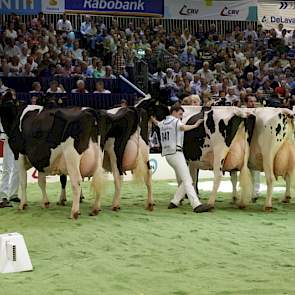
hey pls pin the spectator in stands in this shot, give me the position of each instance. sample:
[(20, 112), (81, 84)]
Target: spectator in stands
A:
[(188, 59), (55, 88), (10, 32), (11, 50), (196, 84), (119, 62), (80, 87), (38, 22), (64, 25), (15, 67), (36, 88), (231, 98), (26, 71), (77, 51), (109, 73), (99, 71), (205, 72), (99, 88)]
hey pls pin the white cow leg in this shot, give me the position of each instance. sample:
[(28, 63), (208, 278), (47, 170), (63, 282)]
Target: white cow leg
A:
[(217, 179), (148, 183), (42, 184), (73, 166), (23, 182), (287, 196), (268, 201), (234, 181), (118, 185)]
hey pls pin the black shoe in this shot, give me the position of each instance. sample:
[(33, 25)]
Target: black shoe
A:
[(15, 200), (202, 208), (172, 206), (5, 203)]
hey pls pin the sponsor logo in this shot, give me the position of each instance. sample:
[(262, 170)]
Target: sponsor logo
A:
[(264, 19), (283, 20), (285, 5), (229, 12), (53, 2), (154, 165), (137, 5), (188, 11)]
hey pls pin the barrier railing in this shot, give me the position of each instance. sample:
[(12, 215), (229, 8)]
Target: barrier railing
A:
[(97, 101), (169, 25)]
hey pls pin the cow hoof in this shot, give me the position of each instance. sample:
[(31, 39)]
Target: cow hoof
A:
[(212, 204), (286, 200), (23, 206), (116, 208), (61, 203), (94, 212), (268, 209), (242, 206), (75, 215), (150, 207), (46, 205), (81, 199)]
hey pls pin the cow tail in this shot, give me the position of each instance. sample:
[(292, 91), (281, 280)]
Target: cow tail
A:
[(246, 185), (141, 168), (98, 178)]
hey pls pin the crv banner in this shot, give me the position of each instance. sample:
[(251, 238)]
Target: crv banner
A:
[(241, 10)]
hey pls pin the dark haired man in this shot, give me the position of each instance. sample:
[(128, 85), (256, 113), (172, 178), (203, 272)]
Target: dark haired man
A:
[(172, 131)]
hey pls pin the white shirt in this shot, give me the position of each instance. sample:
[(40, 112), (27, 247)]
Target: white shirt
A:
[(85, 28), (58, 90), (104, 91), (171, 135), (64, 26)]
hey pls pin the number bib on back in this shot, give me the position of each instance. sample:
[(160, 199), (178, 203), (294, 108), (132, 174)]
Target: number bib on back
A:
[(168, 131)]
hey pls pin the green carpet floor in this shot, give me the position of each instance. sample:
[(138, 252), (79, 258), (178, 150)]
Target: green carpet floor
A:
[(136, 252)]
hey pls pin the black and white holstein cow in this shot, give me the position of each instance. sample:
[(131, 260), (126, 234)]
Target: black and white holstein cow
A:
[(272, 149), (126, 147), (220, 144), (56, 141)]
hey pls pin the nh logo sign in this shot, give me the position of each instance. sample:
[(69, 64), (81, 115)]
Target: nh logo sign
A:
[(17, 4)]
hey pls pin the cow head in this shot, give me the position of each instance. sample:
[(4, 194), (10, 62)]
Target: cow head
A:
[(153, 107)]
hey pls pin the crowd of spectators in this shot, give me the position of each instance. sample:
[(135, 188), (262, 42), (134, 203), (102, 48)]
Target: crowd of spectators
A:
[(226, 70), (216, 69)]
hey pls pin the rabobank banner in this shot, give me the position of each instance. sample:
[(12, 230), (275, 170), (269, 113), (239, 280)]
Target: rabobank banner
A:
[(20, 6), (272, 13), (120, 7), (238, 10)]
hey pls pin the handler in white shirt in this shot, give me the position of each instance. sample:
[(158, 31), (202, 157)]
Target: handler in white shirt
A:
[(172, 133)]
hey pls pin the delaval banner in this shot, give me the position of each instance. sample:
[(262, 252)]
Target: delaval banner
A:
[(272, 13), (119, 7), (53, 6), (20, 6), (240, 10)]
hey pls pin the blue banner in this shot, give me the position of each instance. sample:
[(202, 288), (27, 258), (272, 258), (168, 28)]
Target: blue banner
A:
[(129, 7), (20, 6)]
